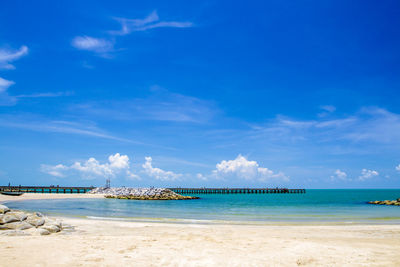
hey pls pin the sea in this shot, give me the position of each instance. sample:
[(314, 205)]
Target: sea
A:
[(316, 206)]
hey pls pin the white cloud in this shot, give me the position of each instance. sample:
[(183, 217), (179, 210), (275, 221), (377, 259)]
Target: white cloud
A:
[(117, 165), (4, 84), (152, 21), (98, 45), (244, 169), (339, 175), (398, 167), (7, 56), (158, 173), (367, 174), (57, 170), (201, 177)]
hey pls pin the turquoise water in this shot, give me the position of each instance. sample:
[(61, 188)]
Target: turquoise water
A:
[(316, 206)]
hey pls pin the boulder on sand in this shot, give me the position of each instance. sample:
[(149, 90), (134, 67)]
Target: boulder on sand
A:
[(14, 222), (16, 226), (35, 220), (51, 228), (8, 218), (42, 231), (21, 216), (13, 233), (3, 209)]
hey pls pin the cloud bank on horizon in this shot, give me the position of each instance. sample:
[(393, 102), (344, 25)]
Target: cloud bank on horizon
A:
[(119, 166), (240, 168)]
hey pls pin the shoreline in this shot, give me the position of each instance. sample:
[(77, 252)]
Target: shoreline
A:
[(4, 199)]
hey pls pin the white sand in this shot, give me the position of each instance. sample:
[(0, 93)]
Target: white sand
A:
[(115, 243), (29, 196)]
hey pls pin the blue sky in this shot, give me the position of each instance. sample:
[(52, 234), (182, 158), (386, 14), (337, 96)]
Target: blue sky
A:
[(200, 93)]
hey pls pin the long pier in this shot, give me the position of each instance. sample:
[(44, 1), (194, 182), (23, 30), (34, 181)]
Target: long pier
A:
[(47, 189), (237, 191), (179, 190)]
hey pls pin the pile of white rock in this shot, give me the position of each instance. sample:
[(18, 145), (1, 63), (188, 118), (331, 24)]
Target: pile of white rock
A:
[(139, 193), (15, 223)]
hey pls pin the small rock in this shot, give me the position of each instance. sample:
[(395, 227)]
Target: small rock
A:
[(10, 226), (51, 228), (24, 226), (35, 221), (8, 219), (3, 209), (42, 231), (13, 233), (57, 223), (21, 216)]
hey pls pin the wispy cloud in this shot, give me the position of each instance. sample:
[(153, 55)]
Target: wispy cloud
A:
[(104, 47), (326, 110), (11, 100), (152, 21), (368, 124), (6, 57), (48, 94), (98, 45), (9, 55), (5, 84), (161, 105), (64, 127)]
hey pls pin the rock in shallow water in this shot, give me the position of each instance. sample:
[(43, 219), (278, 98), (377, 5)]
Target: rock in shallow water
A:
[(386, 202)]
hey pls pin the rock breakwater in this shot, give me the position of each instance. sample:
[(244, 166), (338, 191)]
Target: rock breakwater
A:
[(140, 193), (386, 202), (17, 223)]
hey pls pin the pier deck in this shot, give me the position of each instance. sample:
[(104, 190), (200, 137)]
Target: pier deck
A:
[(238, 191), (179, 190)]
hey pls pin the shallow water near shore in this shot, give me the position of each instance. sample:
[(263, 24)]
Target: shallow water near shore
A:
[(316, 206)]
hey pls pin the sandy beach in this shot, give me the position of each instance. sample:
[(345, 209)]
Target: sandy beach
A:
[(32, 196), (116, 243)]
